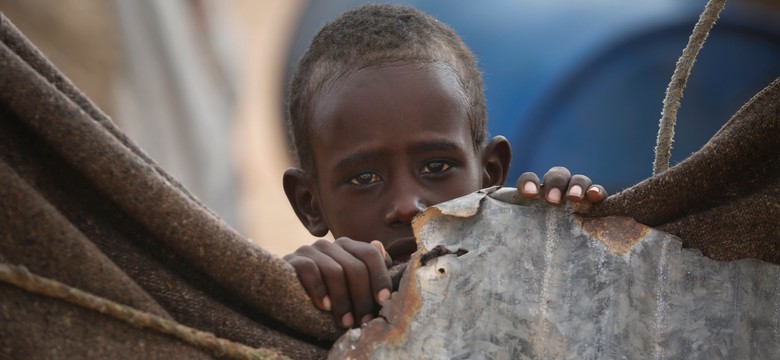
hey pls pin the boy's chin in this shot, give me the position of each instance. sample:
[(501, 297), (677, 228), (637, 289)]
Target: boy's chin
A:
[(401, 250), (401, 259)]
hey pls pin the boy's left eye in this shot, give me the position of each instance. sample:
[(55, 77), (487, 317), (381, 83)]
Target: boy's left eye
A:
[(435, 167)]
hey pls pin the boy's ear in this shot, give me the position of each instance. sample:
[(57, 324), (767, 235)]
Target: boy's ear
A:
[(496, 156), (304, 201)]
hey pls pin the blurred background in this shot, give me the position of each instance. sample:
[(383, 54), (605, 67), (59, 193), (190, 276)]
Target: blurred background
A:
[(200, 84)]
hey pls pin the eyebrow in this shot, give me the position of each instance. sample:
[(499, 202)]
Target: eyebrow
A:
[(367, 156), (359, 158), (435, 146)]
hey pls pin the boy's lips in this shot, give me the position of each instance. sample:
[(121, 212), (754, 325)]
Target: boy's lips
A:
[(401, 249)]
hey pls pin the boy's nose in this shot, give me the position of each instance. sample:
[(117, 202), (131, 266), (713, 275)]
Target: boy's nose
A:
[(403, 209)]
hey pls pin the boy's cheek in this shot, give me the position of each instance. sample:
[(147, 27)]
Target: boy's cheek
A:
[(354, 224), (459, 185)]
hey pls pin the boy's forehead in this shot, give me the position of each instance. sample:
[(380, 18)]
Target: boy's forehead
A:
[(374, 88), (409, 109)]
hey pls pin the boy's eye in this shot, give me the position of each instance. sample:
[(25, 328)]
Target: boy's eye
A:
[(365, 178), (435, 167)]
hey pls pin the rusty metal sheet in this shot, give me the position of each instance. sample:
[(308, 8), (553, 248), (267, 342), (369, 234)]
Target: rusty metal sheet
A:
[(505, 278)]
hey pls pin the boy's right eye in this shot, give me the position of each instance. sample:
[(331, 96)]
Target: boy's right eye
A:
[(365, 178)]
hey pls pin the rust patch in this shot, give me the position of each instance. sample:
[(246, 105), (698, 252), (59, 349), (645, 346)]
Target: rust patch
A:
[(393, 326), (618, 234)]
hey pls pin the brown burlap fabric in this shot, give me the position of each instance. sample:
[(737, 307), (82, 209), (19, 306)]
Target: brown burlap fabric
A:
[(81, 204), (725, 198)]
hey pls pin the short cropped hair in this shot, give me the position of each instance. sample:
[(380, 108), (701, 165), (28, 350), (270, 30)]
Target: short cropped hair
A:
[(373, 35)]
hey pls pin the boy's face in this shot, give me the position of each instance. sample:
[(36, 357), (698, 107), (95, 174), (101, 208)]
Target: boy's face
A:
[(387, 142)]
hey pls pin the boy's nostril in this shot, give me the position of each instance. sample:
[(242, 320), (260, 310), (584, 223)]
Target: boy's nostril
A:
[(399, 223)]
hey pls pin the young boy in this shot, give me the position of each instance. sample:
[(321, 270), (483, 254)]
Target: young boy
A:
[(387, 117)]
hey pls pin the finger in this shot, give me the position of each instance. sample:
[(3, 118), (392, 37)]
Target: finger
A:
[(379, 246), (335, 279), (357, 278), (381, 283), (309, 275), (596, 194), (577, 187), (555, 184), (379, 279), (528, 185)]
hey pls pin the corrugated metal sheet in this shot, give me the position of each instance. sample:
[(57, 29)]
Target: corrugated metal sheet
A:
[(538, 282)]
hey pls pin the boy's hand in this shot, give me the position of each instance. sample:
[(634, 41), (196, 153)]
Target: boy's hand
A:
[(346, 277), (558, 182)]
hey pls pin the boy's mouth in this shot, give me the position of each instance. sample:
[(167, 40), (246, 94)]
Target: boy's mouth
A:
[(402, 249)]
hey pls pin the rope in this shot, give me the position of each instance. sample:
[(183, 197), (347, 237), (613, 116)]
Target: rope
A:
[(20, 277), (674, 92)]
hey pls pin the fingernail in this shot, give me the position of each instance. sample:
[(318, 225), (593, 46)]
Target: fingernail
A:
[(594, 190), (326, 303), (347, 320), (554, 196), (575, 191), (530, 188), (383, 296), (378, 245), (366, 318)]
